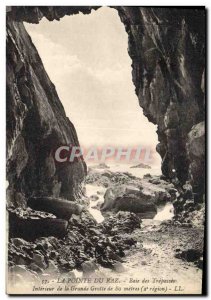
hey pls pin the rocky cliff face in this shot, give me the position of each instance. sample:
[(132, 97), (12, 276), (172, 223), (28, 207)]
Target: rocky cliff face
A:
[(36, 124), (167, 48)]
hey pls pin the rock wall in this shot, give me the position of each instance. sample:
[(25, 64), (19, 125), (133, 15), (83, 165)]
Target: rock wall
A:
[(36, 125), (167, 48)]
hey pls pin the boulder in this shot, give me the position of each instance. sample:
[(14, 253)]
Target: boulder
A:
[(59, 207), (30, 229), (113, 193), (131, 199), (139, 196), (190, 255), (136, 205), (122, 222), (17, 242), (148, 175)]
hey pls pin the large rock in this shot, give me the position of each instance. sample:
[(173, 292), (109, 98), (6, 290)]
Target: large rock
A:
[(121, 223), (112, 193), (136, 205), (126, 198), (61, 208), (191, 255), (30, 228), (142, 199)]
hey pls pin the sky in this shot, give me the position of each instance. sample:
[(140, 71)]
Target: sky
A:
[(86, 58)]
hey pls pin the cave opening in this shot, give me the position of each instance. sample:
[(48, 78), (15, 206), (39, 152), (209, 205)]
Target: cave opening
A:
[(55, 205), (86, 58)]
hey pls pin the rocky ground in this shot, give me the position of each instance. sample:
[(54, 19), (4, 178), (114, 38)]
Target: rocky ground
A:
[(165, 252), (124, 242)]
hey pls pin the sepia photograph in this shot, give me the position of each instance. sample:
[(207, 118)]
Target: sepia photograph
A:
[(106, 150)]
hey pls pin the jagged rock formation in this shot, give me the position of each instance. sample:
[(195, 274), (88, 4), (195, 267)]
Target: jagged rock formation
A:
[(84, 242), (167, 48), (36, 126)]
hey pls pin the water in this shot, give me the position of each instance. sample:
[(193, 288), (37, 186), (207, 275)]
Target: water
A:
[(165, 212), (99, 191), (138, 172)]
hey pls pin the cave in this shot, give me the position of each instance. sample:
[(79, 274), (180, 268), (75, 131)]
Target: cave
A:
[(166, 47), (169, 88)]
